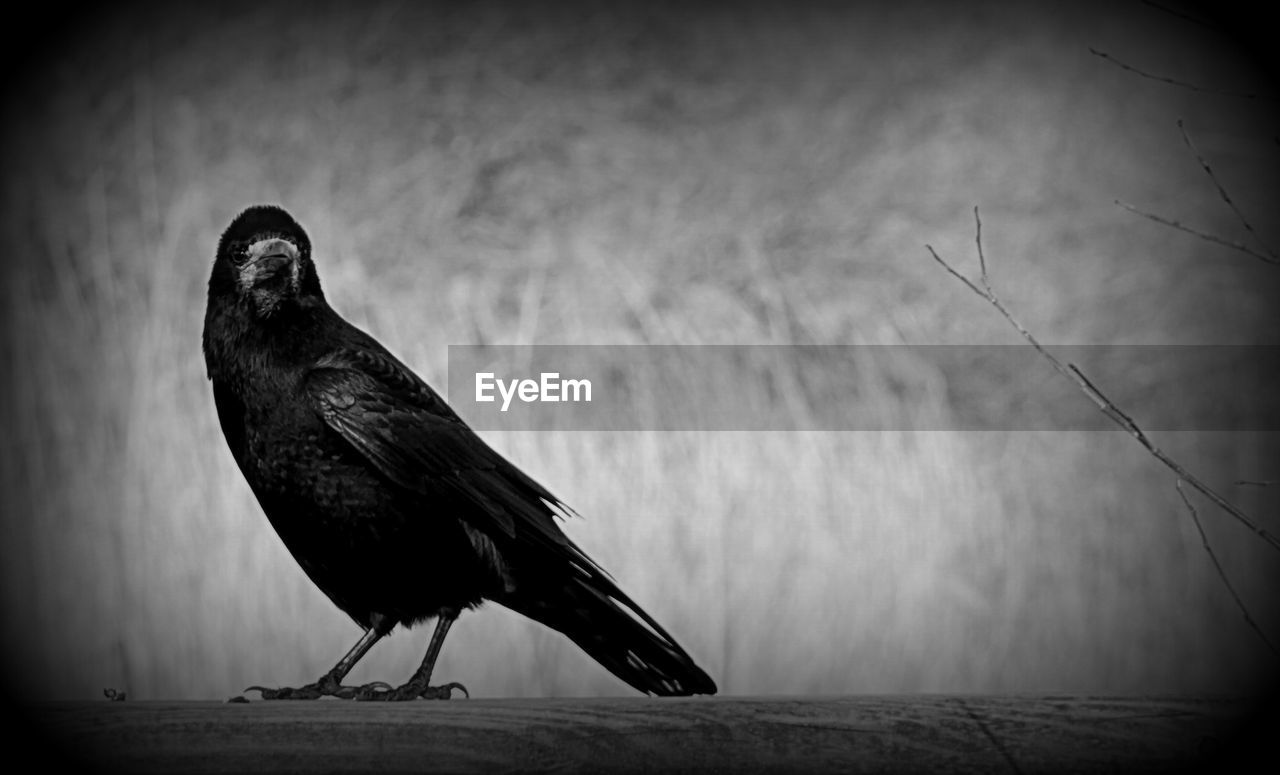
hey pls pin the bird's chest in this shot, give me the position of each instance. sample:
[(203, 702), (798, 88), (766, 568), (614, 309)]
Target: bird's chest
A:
[(304, 474)]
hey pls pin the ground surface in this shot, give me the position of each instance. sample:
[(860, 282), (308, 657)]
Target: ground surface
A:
[(865, 734)]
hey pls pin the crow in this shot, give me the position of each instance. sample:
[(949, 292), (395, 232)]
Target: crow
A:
[(391, 504)]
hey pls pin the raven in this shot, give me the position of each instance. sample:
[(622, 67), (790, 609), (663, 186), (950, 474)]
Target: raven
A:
[(393, 507)]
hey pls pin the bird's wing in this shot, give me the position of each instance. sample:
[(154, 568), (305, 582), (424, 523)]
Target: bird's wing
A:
[(412, 437)]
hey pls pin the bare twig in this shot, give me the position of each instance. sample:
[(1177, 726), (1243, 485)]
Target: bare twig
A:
[(1222, 191), (1174, 82), (1182, 15), (1202, 235), (1222, 574), (1257, 483), (1104, 404), (982, 259)]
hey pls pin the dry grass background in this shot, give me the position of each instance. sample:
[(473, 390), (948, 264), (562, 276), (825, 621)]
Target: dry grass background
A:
[(570, 174)]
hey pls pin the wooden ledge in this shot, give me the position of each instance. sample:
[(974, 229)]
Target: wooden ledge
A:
[(927, 733)]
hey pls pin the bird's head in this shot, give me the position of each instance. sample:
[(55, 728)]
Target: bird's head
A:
[(264, 263)]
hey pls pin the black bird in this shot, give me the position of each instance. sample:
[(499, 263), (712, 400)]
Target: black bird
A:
[(389, 502)]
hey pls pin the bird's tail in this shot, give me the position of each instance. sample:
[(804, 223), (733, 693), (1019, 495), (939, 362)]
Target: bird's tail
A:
[(595, 614)]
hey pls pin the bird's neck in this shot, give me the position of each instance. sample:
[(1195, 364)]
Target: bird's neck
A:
[(239, 345)]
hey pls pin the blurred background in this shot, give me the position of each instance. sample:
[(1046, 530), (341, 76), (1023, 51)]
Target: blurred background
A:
[(571, 173)]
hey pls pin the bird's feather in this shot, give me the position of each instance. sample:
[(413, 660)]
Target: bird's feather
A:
[(417, 442)]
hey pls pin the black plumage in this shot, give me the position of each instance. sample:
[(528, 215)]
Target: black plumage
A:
[(385, 497)]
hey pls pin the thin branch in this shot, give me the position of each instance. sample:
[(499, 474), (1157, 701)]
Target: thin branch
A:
[(1105, 405), (1222, 191), (1222, 574), (982, 260), (1174, 82), (1202, 235), (1181, 15), (1258, 483)]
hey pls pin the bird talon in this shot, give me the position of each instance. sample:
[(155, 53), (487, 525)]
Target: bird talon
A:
[(375, 690), (309, 692), (444, 692)]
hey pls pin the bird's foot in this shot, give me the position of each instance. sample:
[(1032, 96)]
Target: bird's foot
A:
[(308, 692), (411, 691), (359, 692), (325, 687)]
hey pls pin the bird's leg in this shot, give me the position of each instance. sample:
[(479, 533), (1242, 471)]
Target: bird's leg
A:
[(330, 684), (419, 684)]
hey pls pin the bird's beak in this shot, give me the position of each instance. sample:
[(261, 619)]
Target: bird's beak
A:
[(268, 259)]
